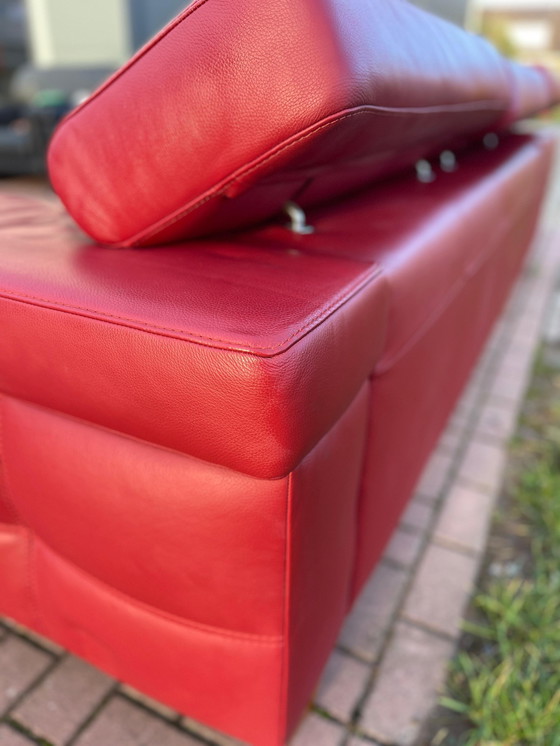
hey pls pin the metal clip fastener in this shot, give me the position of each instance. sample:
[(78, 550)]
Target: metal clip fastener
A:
[(448, 161), (491, 141), (298, 220), (424, 172)]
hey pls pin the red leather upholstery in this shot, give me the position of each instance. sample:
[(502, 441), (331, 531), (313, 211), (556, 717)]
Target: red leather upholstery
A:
[(406, 228), (219, 502), (259, 343), (452, 339), (236, 586), (450, 251), (534, 89), (236, 108)]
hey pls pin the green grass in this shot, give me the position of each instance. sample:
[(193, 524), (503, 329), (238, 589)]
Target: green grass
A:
[(505, 683)]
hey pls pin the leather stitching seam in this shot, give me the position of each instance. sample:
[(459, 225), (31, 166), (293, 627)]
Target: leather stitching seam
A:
[(339, 300)]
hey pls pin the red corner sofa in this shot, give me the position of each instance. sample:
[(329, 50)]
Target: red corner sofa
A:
[(212, 415)]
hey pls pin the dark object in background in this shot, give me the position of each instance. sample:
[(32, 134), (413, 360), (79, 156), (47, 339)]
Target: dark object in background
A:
[(147, 16), (25, 132), (10, 112), (13, 42), (38, 101), (30, 81)]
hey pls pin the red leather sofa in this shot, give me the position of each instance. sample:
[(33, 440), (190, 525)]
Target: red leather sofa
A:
[(206, 442)]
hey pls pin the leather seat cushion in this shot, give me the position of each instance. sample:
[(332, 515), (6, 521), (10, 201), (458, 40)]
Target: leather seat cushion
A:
[(244, 353), (239, 353)]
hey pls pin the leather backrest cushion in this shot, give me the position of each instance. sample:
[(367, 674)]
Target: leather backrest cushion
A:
[(533, 89), (236, 107)]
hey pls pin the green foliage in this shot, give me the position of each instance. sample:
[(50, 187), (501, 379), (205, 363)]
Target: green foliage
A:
[(506, 685)]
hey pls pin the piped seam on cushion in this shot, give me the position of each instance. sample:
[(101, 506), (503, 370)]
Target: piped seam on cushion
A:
[(184, 335), (221, 189)]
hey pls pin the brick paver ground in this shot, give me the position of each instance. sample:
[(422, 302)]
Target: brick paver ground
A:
[(382, 680)]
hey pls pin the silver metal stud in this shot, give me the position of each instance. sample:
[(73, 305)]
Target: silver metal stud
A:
[(491, 141), (448, 161), (424, 172)]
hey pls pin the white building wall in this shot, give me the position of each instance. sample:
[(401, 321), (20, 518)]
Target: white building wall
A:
[(79, 33)]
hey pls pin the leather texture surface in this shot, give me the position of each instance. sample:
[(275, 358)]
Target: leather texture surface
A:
[(219, 502), (259, 343), (410, 399), (224, 135), (407, 228), (232, 524), (236, 586)]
